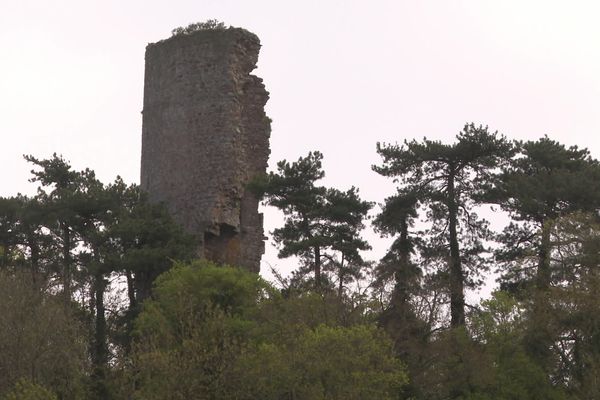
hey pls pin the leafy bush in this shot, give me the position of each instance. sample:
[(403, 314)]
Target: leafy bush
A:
[(332, 363), (26, 390), (40, 339), (191, 332), (212, 333), (208, 25)]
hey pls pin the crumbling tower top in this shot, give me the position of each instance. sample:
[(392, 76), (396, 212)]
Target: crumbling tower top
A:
[(205, 135)]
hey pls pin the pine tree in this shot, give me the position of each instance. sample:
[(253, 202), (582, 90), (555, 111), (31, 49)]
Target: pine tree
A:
[(319, 222), (546, 183), (447, 178), (396, 218)]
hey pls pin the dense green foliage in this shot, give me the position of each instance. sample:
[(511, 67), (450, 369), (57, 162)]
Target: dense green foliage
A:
[(25, 390), (322, 225), (211, 24), (205, 336), (100, 297), (447, 179), (81, 242), (41, 340)]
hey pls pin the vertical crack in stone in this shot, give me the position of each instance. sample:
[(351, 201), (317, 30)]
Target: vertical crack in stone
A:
[(205, 134)]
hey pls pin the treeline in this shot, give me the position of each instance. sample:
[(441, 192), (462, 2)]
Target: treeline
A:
[(92, 304), (538, 336), (64, 253)]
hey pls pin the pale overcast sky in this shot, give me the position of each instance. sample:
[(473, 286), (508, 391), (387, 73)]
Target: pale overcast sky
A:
[(342, 76)]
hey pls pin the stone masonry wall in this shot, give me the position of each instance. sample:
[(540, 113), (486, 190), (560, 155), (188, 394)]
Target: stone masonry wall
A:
[(204, 136)]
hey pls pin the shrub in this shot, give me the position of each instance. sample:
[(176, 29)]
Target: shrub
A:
[(208, 25)]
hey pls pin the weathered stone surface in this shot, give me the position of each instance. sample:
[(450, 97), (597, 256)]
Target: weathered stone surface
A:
[(205, 135)]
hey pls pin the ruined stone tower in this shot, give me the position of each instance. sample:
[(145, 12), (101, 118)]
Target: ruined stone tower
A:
[(205, 135)]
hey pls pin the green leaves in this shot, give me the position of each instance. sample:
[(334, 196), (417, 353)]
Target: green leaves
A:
[(213, 333), (429, 162), (320, 223), (447, 181), (26, 390), (543, 184), (549, 180), (40, 340), (328, 362), (210, 24)]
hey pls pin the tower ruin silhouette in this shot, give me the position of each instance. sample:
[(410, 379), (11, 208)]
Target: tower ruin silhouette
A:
[(205, 135)]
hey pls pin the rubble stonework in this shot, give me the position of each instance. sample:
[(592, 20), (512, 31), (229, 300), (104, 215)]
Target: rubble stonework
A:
[(205, 135)]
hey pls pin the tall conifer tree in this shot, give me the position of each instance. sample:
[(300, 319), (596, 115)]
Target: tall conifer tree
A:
[(544, 184), (447, 178), (318, 221)]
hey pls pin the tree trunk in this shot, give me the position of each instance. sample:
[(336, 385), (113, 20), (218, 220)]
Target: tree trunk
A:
[(317, 267), (540, 336), (132, 310), (4, 254), (341, 278), (543, 275), (131, 290), (66, 250), (34, 259), (400, 295), (457, 296), (143, 285), (100, 350), (400, 310)]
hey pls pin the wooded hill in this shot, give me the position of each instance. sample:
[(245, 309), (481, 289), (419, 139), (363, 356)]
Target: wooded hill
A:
[(101, 298)]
